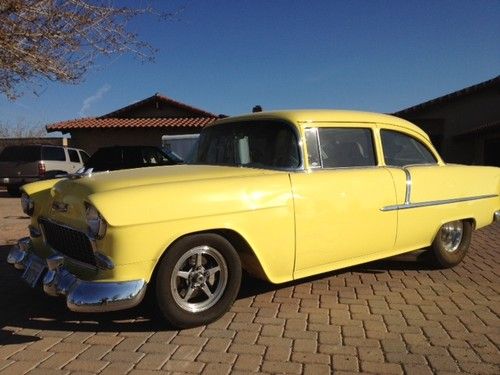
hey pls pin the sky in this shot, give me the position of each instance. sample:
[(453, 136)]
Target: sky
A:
[(227, 56)]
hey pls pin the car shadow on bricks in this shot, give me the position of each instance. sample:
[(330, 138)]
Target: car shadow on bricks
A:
[(11, 338), (32, 309)]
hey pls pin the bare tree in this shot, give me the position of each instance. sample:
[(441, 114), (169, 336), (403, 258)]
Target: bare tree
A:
[(59, 40), (22, 130)]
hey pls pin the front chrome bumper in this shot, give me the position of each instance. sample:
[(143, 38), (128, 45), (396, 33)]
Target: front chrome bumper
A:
[(81, 295)]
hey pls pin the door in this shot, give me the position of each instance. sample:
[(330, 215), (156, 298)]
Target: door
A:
[(339, 221)]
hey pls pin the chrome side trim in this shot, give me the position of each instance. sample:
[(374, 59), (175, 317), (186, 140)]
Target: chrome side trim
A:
[(408, 186), (436, 203)]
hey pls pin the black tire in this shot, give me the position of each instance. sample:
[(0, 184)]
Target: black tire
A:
[(184, 300), (13, 191), (449, 247)]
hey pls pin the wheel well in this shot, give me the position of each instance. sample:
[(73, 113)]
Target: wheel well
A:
[(472, 222), (249, 261)]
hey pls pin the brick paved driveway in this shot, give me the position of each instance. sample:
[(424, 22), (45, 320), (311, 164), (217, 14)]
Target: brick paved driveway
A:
[(397, 316)]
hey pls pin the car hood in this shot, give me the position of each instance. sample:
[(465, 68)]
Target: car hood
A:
[(125, 179), (128, 197)]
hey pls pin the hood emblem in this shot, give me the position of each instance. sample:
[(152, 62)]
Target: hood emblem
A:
[(82, 172), (60, 206)]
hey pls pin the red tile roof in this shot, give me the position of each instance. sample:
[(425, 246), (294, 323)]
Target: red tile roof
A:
[(122, 112), (112, 123)]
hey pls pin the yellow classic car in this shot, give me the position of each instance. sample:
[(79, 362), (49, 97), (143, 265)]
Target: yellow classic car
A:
[(281, 195)]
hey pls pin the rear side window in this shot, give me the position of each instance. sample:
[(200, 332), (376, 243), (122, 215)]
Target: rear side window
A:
[(53, 153), (73, 156), (401, 149), (21, 153), (346, 147)]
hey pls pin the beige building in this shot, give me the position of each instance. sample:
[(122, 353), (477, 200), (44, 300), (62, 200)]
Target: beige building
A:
[(464, 125), (141, 123)]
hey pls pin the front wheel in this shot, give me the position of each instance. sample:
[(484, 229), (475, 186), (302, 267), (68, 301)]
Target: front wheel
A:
[(452, 242), (198, 280)]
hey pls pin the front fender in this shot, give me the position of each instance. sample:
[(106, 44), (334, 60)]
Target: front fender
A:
[(144, 221)]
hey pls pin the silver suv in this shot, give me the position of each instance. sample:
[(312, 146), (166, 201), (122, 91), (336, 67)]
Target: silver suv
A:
[(22, 164)]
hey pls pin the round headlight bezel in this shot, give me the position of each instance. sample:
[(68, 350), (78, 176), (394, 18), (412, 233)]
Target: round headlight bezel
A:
[(27, 204), (96, 225)]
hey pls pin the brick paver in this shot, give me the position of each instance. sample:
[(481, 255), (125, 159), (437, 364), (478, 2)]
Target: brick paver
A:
[(399, 316)]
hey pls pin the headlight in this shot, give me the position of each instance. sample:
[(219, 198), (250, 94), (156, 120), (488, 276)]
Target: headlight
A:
[(96, 224), (27, 204)]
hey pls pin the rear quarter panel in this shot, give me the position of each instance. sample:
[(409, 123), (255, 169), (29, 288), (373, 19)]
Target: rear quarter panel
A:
[(417, 227)]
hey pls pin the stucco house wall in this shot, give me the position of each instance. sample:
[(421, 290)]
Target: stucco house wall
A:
[(465, 125)]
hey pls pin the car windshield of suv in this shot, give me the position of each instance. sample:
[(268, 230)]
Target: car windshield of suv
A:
[(256, 144), (21, 153)]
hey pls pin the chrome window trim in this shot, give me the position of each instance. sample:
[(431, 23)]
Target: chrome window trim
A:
[(319, 149), (408, 185), (317, 145), (318, 140), (431, 149), (436, 202), (347, 168)]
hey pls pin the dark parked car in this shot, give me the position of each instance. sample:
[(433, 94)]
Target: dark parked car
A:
[(128, 157)]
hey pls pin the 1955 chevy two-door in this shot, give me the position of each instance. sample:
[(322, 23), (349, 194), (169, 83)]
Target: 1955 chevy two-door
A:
[(282, 195)]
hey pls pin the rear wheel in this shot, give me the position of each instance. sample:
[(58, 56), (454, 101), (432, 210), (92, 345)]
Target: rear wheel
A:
[(198, 280), (452, 242)]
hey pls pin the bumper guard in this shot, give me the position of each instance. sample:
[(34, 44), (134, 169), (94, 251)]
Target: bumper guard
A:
[(81, 295)]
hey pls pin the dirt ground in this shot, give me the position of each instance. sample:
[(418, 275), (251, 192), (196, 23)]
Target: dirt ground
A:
[(13, 222)]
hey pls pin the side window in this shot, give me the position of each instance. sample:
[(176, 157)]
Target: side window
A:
[(346, 147), (53, 153), (73, 156), (401, 149)]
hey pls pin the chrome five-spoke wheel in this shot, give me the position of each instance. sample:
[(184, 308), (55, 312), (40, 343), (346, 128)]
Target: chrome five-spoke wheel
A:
[(199, 279)]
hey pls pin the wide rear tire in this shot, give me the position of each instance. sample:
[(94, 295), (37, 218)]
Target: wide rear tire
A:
[(452, 242)]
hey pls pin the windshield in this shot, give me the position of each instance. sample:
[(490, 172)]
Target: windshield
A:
[(257, 144)]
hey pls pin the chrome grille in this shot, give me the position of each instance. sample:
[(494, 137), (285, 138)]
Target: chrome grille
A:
[(68, 241)]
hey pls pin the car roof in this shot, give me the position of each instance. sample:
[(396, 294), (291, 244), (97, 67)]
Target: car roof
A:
[(321, 117)]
